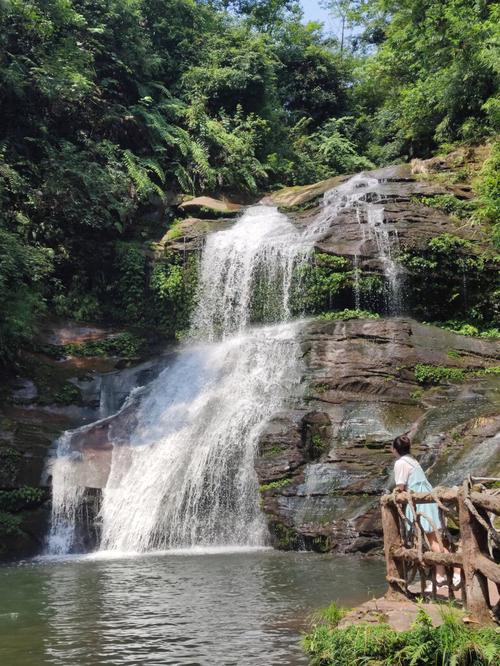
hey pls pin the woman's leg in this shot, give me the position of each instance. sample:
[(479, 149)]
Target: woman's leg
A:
[(437, 548)]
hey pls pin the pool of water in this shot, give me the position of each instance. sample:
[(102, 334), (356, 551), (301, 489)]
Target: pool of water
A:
[(195, 607)]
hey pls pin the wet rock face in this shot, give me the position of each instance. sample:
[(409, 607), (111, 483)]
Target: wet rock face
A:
[(409, 222), (323, 467)]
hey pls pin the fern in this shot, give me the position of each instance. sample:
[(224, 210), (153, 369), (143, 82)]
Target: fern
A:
[(139, 171)]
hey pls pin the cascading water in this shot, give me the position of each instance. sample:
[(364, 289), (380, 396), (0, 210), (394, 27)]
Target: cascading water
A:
[(377, 231), (181, 471), (246, 273), (184, 476), (187, 477), (365, 194)]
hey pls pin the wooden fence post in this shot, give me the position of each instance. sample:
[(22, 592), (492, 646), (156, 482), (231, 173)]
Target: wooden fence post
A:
[(474, 541), (392, 540)]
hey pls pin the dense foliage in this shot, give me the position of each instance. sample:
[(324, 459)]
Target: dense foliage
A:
[(110, 108), (432, 76)]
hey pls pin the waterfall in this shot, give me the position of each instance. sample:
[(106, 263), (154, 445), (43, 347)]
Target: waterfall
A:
[(181, 469), (256, 257), (365, 195), (187, 477), (378, 232), (183, 474)]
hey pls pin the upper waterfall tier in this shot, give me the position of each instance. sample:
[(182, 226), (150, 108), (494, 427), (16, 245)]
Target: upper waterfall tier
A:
[(249, 271), (254, 259)]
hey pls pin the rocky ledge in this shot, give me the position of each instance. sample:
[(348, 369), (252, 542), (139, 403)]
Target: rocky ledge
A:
[(323, 463)]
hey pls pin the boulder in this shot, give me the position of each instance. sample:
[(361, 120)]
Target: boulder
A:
[(301, 195), (220, 207), (187, 235), (408, 221)]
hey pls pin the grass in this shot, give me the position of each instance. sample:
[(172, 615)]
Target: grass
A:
[(451, 644), (273, 485), (434, 375), (343, 315)]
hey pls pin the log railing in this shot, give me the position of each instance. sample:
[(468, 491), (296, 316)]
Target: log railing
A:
[(471, 510)]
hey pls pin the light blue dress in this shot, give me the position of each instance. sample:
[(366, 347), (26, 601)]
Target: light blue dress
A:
[(418, 483)]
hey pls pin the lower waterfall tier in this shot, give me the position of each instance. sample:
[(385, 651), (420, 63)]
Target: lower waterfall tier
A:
[(177, 462)]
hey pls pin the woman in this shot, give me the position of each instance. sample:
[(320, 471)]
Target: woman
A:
[(408, 475)]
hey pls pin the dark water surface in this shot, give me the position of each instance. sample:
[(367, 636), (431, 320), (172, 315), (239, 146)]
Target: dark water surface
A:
[(223, 608)]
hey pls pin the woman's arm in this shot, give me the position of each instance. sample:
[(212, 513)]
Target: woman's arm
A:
[(402, 472)]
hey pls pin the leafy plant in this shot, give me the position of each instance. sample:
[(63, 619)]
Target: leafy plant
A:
[(437, 374), (21, 498), (124, 345), (346, 314), (450, 644), (274, 485)]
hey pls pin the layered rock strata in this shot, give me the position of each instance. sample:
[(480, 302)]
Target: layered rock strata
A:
[(323, 464)]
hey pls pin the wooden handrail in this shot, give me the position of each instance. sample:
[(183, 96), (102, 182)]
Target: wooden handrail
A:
[(486, 501), (488, 568), (474, 560), (440, 493), (428, 557)]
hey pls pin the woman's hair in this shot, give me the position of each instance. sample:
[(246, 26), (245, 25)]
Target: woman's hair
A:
[(402, 445)]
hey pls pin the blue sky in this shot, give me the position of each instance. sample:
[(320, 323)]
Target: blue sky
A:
[(313, 12)]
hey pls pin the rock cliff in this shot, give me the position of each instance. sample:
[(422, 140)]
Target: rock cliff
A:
[(323, 464)]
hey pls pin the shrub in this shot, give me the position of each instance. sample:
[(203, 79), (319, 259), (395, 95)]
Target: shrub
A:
[(124, 345), (348, 314), (21, 498), (437, 374), (451, 644), (450, 204)]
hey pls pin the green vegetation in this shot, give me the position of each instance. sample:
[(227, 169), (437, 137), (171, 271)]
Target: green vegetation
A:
[(451, 644), (488, 188), (124, 345), (348, 314), (110, 109), (286, 537), (318, 442), (450, 204), (437, 374), (21, 498), (322, 282), (274, 485), (9, 525), (464, 328), (10, 461), (441, 87), (451, 278), (433, 375), (329, 281), (272, 451)]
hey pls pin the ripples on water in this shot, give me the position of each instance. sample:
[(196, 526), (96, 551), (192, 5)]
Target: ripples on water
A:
[(208, 608)]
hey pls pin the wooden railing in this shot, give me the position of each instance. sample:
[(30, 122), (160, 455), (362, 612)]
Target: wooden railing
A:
[(470, 542)]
